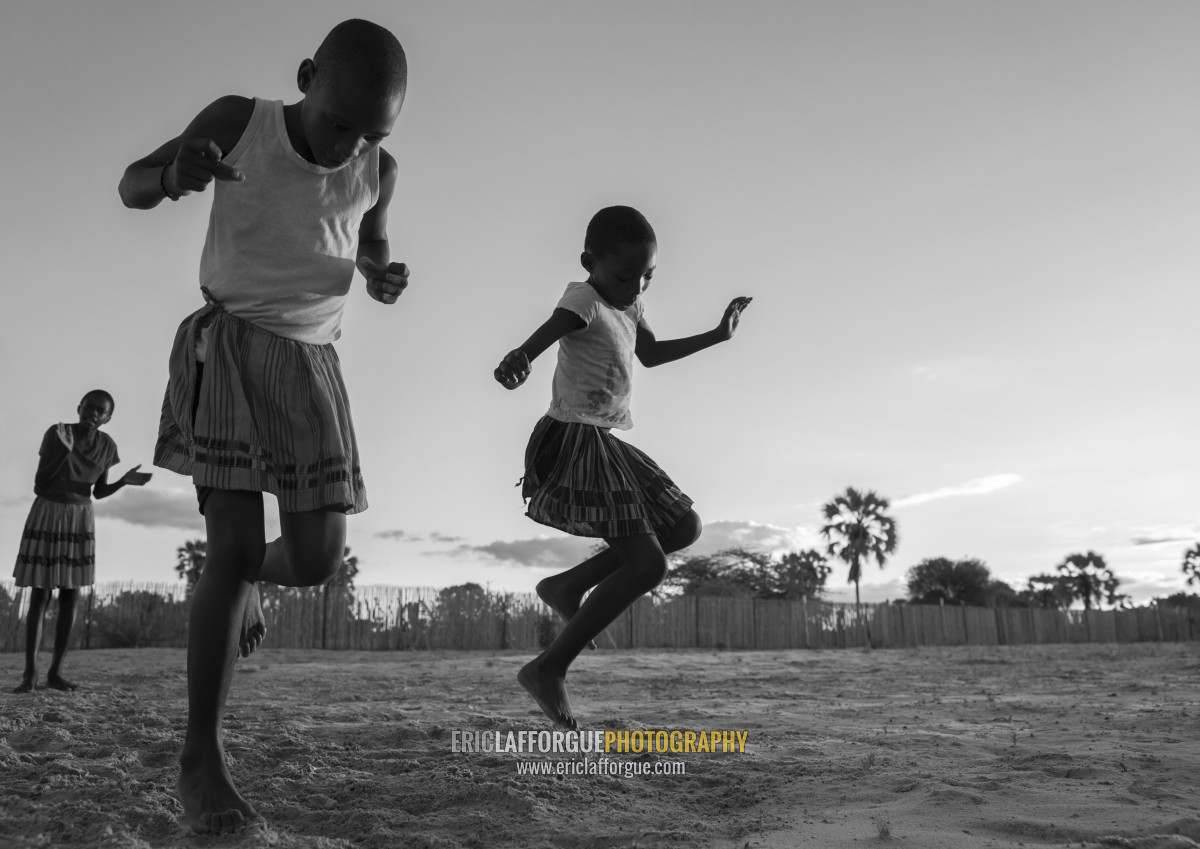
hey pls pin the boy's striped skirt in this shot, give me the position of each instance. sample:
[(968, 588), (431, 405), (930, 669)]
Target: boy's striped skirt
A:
[(581, 479), (58, 546), (270, 414)]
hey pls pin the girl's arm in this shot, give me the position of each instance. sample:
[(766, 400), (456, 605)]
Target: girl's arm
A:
[(133, 477), (515, 367), (651, 352), (385, 279), (52, 456), (191, 161)]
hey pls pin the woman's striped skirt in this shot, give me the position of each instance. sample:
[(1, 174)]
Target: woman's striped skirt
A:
[(581, 479), (269, 414), (58, 546)]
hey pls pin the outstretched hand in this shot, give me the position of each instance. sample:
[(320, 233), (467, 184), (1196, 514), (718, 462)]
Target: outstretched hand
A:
[(197, 163), (135, 478), (65, 434), (733, 314), (513, 369), (384, 283)]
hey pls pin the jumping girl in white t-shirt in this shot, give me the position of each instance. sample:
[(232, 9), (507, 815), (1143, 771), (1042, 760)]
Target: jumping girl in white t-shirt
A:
[(580, 478)]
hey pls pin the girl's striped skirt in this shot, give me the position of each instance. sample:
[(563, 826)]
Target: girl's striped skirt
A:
[(58, 546), (581, 479), (265, 413)]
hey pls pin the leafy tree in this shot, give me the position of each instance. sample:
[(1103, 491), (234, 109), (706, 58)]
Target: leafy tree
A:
[(1191, 564), (1090, 579), (858, 528), (1000, 594), (938, 580), (189, 562), (1053, 592), (799, 575), (750, 574), (1188, 601)]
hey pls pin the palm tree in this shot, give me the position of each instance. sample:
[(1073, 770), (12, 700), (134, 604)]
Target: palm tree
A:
[(1089, 578), (858, 528), (1191, 564), (189, 564)]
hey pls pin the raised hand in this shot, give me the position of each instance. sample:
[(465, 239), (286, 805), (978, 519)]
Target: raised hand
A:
[(135, 478), (65, 434), (733, 314), (513, 369), (384, 284), (197, 163)]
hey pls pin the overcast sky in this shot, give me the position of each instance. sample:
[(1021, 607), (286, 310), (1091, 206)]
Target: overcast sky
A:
[(968, 228)]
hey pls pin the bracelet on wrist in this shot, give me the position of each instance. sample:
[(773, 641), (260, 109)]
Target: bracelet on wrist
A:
[(162, 183)]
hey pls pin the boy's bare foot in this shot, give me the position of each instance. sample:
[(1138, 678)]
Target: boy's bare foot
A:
[(564, 604), (26, 685), (211, 804), (550, 692), (254, 625), (53, 679)]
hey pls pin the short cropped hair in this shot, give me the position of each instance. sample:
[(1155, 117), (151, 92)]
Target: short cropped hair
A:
[(101, 394), (366, 53), (616, 225)]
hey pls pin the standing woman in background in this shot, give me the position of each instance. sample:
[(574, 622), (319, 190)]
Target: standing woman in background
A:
[(58, 544)]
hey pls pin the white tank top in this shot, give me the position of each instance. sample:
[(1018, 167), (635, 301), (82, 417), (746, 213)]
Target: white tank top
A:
[(281, 244)]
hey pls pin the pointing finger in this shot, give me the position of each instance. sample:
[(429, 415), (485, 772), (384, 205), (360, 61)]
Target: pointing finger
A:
[(227, 172)]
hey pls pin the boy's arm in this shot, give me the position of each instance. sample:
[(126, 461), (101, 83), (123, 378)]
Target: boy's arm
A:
[(385, 279), (515, 367), (191, 161), (651, 352)]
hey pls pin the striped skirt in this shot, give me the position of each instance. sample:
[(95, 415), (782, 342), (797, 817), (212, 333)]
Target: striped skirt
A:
[(583, 480), (58, 546), (270, 414)]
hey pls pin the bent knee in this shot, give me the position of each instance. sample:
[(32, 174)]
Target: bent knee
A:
[(686, 531), (654, 570), (314, 567)]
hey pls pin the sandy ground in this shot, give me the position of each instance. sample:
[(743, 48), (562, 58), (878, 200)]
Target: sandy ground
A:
[(1077, 746)]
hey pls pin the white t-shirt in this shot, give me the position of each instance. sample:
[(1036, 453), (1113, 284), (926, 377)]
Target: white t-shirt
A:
[(593, 383)]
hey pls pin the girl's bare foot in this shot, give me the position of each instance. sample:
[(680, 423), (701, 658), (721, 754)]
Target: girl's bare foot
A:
[(564, 604), (53, 679), (26, 685), (254, 625), (211, 804), (550, 693)]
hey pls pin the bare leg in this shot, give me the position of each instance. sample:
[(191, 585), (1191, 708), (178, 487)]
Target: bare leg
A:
[(254, 625), (308, 553), (234, 520), (643, 565), (39, 600), (563, 593), (62, 636)]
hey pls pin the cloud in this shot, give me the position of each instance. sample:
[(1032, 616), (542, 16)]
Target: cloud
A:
[(562, 552), (743, 533), (979, 486), (1158, 536), (399, 536), (440, 537), (153, 508), (537, 553)]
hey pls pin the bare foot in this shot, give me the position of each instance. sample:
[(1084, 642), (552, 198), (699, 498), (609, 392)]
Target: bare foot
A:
[(26, 685), (211, 804), (550, 693), (53, 679), (254, 625), (563, 604)]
